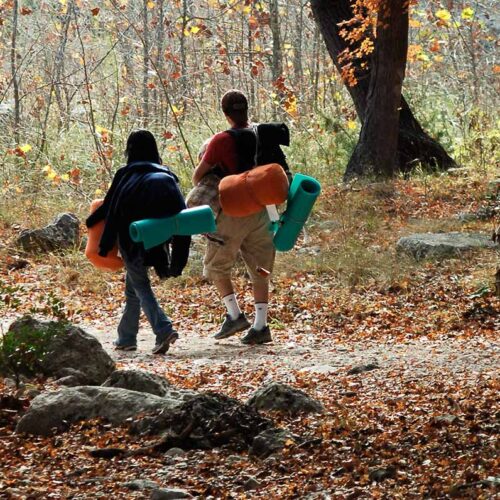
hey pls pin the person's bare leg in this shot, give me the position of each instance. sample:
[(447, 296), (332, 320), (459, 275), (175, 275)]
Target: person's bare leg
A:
[(261, 292), (224, 286)]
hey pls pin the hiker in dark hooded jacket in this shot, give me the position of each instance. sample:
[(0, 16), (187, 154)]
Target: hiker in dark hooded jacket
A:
[(142, 189)]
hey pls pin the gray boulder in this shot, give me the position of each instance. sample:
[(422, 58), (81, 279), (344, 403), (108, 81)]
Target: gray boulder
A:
[(70, 352), (270, 441), (140, 484), (56, 410), (71, 377), (380, 473), (442, 245), (251, 484), (62, 234), (169, 494), (356, 370), (283, 398), (138, 380), (482, 213)]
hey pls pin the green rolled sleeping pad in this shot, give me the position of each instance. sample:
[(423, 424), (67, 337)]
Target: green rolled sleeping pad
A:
[(153, 232), (303, 192)]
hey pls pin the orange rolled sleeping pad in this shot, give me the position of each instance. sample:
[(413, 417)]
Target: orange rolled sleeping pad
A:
[(112, 261), (248, 193)]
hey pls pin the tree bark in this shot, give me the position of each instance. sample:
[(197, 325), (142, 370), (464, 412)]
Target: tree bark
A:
[(277, 55), (274, 21), (375, 152), (297, 53), (13, 68), (145, 64), (160, 58), (415, 146)]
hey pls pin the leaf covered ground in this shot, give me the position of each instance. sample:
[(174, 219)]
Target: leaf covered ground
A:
[(424, 423)]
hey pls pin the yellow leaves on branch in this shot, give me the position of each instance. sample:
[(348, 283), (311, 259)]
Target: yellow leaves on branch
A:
[(52, 175), (416, 53), (467, 13), (290, 105), (443, 14), (101, 130), (20, 151), (177, 111)]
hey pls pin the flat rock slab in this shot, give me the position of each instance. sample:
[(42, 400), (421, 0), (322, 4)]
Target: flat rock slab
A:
[(442, 245), (55, 410)]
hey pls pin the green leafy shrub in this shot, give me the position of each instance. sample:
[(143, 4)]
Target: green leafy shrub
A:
[(24, 346)]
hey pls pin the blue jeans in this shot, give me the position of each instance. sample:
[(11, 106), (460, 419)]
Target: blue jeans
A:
[(139, 294)]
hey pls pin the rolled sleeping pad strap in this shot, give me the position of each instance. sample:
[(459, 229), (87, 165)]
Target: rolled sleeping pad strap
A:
[(153, 232), (112, 261), (304, 191)]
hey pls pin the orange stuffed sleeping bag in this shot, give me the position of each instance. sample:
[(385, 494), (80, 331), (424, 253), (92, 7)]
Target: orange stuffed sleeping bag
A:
[(112, 262), (248, 193)]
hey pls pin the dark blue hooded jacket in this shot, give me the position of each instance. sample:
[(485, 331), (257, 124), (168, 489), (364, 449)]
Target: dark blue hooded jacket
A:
[(142, 190)]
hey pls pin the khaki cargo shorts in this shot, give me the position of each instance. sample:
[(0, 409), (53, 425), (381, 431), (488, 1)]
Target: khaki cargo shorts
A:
[(250, 235)]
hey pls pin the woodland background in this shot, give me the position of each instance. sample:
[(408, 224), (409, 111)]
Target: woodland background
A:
[(77, 76)]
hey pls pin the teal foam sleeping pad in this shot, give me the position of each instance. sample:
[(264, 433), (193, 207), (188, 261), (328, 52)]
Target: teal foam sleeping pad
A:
[(153, 232), (301, 197)]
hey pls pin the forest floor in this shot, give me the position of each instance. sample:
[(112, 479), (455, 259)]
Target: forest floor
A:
[(427, 414)]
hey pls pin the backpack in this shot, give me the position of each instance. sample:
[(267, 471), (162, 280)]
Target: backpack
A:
[(260, 145)]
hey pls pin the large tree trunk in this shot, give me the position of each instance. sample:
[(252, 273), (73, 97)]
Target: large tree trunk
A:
[(415, 146), (375, 152)]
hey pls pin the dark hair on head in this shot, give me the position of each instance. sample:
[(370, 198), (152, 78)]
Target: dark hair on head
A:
[(235, 105), (141, 146)]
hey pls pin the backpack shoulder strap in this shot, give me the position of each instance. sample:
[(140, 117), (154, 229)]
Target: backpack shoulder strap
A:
[(255, 128)]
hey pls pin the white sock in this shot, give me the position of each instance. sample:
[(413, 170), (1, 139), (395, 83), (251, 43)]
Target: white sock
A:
[(233, 309), (260, 315)]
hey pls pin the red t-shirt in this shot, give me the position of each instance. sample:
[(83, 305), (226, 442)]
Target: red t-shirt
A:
[(221, 150)]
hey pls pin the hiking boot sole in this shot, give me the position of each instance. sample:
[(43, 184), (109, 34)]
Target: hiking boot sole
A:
[(164, 345), (257, 342), (230, 333), (125, 348)]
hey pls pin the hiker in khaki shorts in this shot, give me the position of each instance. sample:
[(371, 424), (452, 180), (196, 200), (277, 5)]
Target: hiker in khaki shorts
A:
[(234, 153)]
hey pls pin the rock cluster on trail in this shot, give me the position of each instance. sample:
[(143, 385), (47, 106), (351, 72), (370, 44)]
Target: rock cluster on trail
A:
[(62, 234), (138, 380), (442, 245), (72, 354), (56, 410), (214, 419), (281, 397)]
